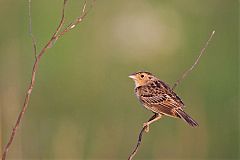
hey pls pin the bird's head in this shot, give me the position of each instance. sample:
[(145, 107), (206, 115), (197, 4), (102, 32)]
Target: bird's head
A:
[(142, 78)]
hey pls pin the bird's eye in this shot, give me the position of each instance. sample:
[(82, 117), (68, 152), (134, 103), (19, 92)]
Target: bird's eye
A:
[(142, 75)]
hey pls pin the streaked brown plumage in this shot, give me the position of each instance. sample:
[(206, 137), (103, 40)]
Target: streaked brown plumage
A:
[(158, 97)]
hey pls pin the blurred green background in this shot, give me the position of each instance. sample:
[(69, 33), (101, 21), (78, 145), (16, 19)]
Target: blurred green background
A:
[(83, 105)]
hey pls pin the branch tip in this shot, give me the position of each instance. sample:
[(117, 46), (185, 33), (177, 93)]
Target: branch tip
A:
[(195, 63), (84, 6)]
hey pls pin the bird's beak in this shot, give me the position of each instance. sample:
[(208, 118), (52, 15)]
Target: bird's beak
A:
[(132, 76)]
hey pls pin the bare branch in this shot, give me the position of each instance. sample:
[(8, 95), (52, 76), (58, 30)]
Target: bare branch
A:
[(30, 29), (195, 63), (84, 6), (138, 144), (54, 36), (140, 139), (53, 39), (77, 20)]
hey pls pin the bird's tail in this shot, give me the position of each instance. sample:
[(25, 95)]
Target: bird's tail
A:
[(187, 118)]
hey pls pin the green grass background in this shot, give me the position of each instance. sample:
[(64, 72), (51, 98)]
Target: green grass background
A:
[(83, 105)]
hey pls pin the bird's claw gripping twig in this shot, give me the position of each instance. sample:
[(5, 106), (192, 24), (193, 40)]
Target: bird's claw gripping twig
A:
[(146, 126)]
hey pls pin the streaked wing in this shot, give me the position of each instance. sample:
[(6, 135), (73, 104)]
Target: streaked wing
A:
[(170, 92), (158, 98)]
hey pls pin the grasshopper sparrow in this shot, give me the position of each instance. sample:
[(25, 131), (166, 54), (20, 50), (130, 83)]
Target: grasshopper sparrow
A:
[(157, 96)]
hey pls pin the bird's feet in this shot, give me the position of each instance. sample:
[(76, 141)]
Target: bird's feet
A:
[(146, 126)]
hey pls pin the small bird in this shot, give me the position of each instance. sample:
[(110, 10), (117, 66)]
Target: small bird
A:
[(157, 96)]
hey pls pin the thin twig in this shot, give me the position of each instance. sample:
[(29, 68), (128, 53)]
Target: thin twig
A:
[(177, 82), (73, 24), (138, 144), (78, 19), (30, 29), (54, 36), (140, 139), (34, 71), (195, 63)]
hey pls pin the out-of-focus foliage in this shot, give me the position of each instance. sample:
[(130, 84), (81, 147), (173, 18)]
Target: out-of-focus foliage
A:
[(83, 106)]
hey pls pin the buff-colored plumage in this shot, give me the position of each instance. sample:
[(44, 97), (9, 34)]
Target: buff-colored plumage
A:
[(158, 97)]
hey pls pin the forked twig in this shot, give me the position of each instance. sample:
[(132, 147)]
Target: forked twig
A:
[(49, 44), (177, 82), (195, 63)]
